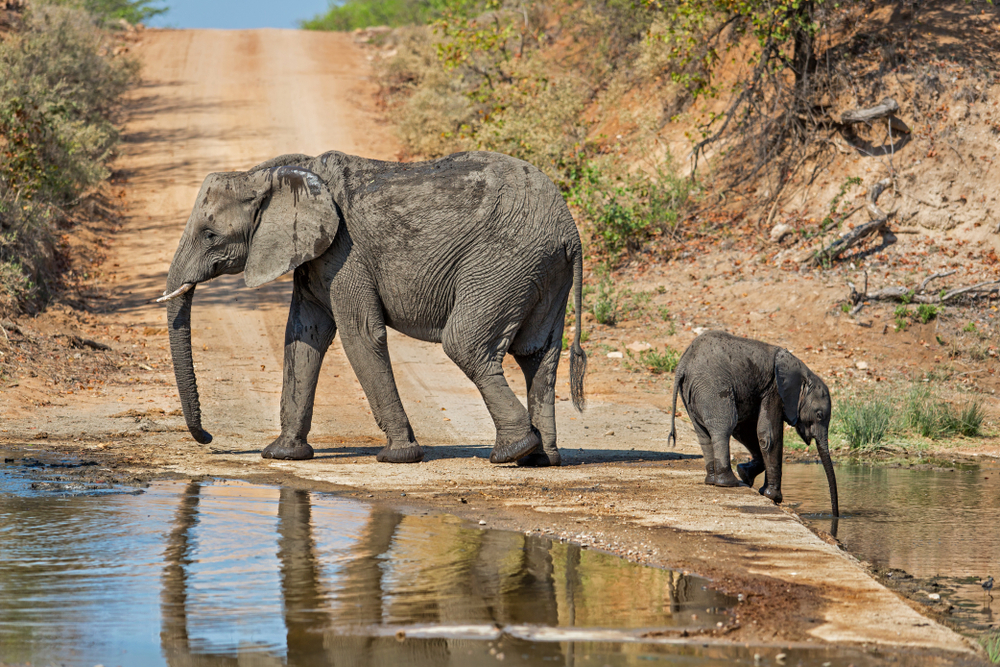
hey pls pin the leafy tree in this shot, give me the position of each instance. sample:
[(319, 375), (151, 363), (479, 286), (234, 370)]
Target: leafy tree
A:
[(133, 11)]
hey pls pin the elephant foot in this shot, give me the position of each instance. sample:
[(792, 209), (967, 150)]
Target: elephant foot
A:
[(412, 453), (539, 458), (748, 471), (770, 492), (510, 452), (288, 450), (720, 476)]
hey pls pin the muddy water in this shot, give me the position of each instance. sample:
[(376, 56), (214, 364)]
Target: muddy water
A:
[(935, 531), (221, 572)]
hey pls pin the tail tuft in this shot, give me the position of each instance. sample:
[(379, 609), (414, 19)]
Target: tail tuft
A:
[(577, 369)]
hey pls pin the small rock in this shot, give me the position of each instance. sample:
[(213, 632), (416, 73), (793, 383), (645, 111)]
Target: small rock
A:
[(699, 330), (482, 523), (637, 346), (861, 366), (934, 596), (780, 231), (609, 433), (780, 658), (616, 355)]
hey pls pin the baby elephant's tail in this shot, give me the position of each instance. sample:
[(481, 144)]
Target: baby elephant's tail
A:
[(672, 438), (577, 357)]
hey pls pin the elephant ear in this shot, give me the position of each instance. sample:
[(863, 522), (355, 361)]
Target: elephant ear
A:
[(789, 374), (295, 220)]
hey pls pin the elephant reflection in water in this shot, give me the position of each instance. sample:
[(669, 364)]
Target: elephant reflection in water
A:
[(459, 577)]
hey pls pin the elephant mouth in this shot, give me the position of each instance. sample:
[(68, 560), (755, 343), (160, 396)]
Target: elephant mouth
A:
[(176, 293)]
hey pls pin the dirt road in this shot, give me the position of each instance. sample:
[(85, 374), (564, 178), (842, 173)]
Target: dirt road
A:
[(215, 101)]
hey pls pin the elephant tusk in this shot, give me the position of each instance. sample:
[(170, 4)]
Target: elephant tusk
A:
[(176, 293)]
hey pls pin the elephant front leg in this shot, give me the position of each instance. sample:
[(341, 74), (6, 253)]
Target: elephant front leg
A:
[(771, 435), (366, 344), (308, 334)]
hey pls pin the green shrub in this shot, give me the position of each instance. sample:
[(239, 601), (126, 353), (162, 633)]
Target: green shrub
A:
[(354, 14), (133, 11), (59, 95), (865, 421), (57, 102), (626, 211), (926, 312), (605, 308), (658, 362)]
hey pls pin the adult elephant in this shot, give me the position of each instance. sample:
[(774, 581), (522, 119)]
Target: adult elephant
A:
[(476, 251), (748, 389)]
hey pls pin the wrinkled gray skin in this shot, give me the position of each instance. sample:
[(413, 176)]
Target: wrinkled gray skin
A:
[(747, 389), (476, 251)]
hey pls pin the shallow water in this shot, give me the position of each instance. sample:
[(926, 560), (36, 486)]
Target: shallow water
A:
[(222, 572), (941, 526)]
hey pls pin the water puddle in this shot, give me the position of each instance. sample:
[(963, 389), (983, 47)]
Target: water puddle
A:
[(224, 573), (935, 531)]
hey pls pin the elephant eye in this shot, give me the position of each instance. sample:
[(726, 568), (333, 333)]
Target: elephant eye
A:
[(819, 414), (210, 236)]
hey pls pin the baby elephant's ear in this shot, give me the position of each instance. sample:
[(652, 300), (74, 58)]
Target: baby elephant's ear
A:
[(295, 220), (789, 374)]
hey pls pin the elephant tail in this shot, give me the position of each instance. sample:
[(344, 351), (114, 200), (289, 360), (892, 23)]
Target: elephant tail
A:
[(678, 379), (577, 357)]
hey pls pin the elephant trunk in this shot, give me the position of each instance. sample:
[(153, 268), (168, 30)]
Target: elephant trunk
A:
[(179, 326), (823, 447)]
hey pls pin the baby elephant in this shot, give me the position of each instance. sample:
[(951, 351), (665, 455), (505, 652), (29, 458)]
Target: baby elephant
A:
[(746, 389)]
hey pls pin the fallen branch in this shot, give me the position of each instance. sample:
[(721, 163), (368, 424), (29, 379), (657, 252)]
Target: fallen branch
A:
[(919, 294), (878, 220)]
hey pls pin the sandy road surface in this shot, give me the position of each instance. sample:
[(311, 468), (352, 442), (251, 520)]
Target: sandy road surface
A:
[(217, 101)]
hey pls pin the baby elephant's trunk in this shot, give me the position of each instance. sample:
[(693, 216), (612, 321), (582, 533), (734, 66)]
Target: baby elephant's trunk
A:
[(823, 447)]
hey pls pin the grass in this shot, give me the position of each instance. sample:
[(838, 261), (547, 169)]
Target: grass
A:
[(865, 421), (991, 644), (933, 418), (657, 362)]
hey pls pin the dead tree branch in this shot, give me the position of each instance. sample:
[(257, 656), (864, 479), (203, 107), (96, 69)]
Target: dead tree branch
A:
[(919, 294), (878, 220)]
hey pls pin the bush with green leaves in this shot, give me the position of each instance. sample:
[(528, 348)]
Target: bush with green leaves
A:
[(354, 14), (655, 361), (132, 11), (58, 103)]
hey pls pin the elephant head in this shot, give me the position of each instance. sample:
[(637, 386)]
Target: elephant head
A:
[(806, 403), (263, 223)]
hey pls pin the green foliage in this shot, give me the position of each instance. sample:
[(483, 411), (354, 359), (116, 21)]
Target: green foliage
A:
[(991, 644), (933, 418), (926, 312), (567, 341), (657, 362), (605, 308), (354, 14), (845, 307), (627, 210), (132, 11), (56, 105), (969, 328), (58, 101), (865, 421)]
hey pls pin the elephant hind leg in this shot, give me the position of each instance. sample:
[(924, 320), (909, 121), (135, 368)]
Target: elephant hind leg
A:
[(540, 375), (749, 471), (478, 350)]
